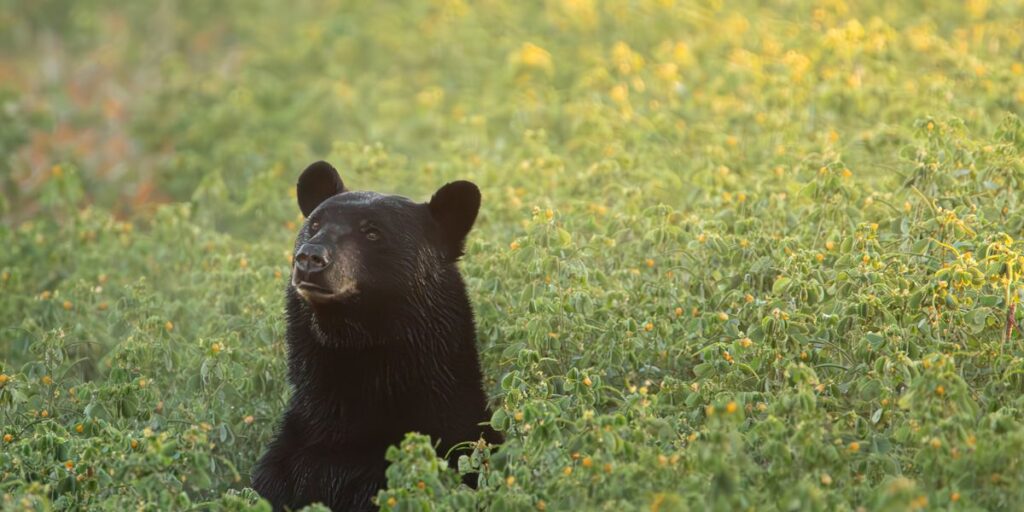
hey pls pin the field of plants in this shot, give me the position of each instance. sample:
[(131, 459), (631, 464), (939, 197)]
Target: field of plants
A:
[(731, 255)]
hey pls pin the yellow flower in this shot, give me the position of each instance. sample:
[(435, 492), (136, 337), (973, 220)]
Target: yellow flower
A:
[(830, 245), (68, 305), (567, 470), (216, 348), (533, 56), (681, 53), (620, 94), (678, 312), (723, 316), (731, 407), (169, 326), (513, 245), (587, 382), (797, 63), (820, 257), (826, 479), (626, 61), (648, 327), (4, 378), (8, 438), (854, 447), (668, 72), (587, 462), (920, 502), (46, 380)]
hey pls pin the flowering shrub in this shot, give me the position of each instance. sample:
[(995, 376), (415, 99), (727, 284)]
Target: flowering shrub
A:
[(730, 257)]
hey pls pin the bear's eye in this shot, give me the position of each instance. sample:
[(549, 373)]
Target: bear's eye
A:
[(314, 226)]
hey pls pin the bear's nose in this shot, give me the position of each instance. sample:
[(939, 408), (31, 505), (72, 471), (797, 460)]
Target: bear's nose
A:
[(311, 258)]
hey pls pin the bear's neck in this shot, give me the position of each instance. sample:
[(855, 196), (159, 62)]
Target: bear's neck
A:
[(408, 351)]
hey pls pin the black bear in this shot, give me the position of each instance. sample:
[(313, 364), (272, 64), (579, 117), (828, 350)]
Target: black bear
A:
[(381, 340)]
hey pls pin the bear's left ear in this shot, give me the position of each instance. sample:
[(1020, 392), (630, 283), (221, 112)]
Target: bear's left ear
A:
[(454, 207), (317, 183)]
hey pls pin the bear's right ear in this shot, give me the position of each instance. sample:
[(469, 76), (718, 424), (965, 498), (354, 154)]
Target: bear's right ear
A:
[(317, 183)]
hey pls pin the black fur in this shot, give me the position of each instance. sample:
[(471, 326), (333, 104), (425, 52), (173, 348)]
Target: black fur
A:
[(398, 355)]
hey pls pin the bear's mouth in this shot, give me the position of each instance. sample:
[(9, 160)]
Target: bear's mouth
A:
[(312, 292)]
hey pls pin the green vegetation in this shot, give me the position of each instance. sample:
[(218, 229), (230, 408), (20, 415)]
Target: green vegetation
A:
[(737, 256)]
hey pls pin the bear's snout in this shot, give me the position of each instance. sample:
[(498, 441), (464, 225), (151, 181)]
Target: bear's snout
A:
[(309, 275), (320, 274)]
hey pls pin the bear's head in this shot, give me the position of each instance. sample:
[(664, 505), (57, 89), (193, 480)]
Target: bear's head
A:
[(360, 250)]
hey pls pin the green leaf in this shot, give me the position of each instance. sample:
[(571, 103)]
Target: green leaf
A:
[(780, 286)]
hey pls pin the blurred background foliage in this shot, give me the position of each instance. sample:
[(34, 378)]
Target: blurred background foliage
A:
[(732, 255)]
